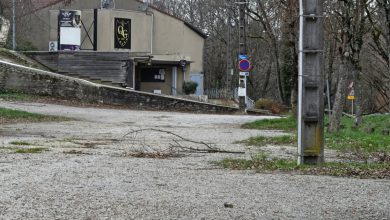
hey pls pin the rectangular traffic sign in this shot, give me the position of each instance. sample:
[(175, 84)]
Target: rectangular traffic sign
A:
[(244, 73), (243, 56)]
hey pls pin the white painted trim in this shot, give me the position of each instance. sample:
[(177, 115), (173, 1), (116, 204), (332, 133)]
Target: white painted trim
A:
[(174, 81), (300, 83)]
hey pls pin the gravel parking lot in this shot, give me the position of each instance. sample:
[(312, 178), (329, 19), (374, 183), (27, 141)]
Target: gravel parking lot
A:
[(87, 172)]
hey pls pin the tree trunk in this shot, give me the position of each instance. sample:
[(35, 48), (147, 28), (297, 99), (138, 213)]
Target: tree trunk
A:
[(339, 100), (278, 71), (294, 101), (266, 80), (289, 56)]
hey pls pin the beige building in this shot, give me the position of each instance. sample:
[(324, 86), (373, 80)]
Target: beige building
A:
[(165, 51)]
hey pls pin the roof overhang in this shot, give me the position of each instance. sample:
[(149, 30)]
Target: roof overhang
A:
[(164, 59)]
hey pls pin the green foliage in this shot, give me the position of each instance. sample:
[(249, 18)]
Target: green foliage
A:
[(355, 139), (189, 87), (26, 46), (20, 143), (34, 150), (284, 124), (278, 140), (270, 105), (20, 46), (264, 104), (349, 138), (263, 163), (14, 96), (11, 116), (257, 162)]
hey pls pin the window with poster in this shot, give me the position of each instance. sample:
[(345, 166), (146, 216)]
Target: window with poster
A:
[(153, 75)]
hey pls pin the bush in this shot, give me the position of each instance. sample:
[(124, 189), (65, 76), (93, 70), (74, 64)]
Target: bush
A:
[(270, 105), (265, 104), (189, 87), (26, 46), (20, 46)]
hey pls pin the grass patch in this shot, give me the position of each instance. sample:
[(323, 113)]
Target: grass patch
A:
[(34, 150), (16, 116), (262, 141), (349, 138), (20, 143), (284, 124), (262, 163), (14, 96), (257, 162)]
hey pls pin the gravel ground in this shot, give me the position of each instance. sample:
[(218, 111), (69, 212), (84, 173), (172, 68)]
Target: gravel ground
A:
[(86, 173)]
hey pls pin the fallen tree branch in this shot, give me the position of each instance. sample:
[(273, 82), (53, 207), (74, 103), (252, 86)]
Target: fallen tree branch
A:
[(179, 147)]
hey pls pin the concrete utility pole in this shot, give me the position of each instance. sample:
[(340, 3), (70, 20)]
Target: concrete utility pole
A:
[(242, 5), (311, 83), (13, 26), (228, 49)]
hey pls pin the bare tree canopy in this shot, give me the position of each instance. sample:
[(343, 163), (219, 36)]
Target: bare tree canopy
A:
[(357, 47)]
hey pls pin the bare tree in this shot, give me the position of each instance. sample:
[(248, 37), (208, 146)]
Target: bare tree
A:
[(351, 30), (259, 14), (379, 18)]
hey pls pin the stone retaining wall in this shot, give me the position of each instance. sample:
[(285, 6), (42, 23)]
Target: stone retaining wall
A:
[(33, 81)]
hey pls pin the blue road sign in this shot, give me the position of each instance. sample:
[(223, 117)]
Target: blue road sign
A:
[(243, 57), (244, 65)]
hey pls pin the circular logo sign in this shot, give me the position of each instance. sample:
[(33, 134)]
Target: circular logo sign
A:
[(244, 65), (183, 63)]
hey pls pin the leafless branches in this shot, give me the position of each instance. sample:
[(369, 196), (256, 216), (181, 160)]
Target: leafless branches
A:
[(174, 145)]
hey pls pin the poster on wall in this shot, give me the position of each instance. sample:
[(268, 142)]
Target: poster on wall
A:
[(122, 35), (153, 75), (69, 23)]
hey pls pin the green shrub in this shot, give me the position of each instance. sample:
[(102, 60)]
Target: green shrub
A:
[(270, 105), (264, 104), (26, 46), (189, 87)]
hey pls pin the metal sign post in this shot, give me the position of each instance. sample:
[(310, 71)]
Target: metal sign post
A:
[(13, 26), (352, 107), (244, 64), (311, 83), (351, 95)]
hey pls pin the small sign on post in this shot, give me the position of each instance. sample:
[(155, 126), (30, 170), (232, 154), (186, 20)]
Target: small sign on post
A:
[(243, 57), (242, 85), (244, 65), (351, 95)]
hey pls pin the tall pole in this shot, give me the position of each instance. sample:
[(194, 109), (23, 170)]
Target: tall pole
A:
[(387, 8), (388, 49), (13, 26), (242, 5), (228, 49), (311, 83)]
